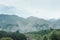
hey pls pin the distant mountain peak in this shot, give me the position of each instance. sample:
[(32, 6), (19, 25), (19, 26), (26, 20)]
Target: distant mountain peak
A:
[(34, 18)]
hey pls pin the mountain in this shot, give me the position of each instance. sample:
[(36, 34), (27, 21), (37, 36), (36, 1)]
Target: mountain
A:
[(30, 24), (37, 23), (56, 23), (10, 22)]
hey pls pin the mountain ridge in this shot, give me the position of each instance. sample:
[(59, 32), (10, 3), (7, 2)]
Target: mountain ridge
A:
[(14, 23)]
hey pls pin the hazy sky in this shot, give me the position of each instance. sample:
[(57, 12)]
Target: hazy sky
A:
[(25, 8)]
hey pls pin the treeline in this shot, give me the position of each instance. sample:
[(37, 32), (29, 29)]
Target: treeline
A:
[(53, 34), (11, 36)]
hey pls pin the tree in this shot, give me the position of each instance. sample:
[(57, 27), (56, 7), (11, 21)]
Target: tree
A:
[(53, 36), (17, 32), (13, 35), (45, 38)]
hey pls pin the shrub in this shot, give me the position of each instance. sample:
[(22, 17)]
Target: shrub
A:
[(6, 38)]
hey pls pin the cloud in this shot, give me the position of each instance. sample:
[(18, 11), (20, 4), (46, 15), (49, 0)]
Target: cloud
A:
[(39, 8)]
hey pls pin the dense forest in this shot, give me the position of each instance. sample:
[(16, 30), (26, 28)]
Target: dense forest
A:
[(53, 34), (12, 36)]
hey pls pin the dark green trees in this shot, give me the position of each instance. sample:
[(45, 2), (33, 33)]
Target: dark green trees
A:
[(45, 38), (14, 36), (53, 36)]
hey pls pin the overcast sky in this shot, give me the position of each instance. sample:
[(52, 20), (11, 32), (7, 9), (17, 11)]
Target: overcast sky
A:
[(39, 8)]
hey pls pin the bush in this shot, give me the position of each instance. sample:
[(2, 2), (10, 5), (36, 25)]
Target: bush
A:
[(6, 38)]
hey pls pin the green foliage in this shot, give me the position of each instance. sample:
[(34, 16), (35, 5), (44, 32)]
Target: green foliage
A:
[(34, 36), (45, 38), (42, 32), (53, 36), (45, 35), (14, 36)]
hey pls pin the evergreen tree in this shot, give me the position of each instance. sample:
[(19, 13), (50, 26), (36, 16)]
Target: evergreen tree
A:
[(17, 32), (45, 38)]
